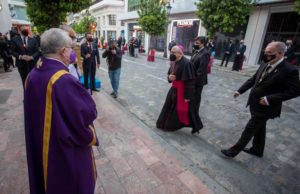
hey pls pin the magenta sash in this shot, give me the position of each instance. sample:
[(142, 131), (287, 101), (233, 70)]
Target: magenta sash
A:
[(182, 105)]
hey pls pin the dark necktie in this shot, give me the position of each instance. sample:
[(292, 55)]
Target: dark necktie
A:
[(89, 48), (266, 72), (24, 42)]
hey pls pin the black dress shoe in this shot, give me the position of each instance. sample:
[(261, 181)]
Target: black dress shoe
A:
[(194, 131), (250, 151), (230, 153), (112, 93), (96, 90)]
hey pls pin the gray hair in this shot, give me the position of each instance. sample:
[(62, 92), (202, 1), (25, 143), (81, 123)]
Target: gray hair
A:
[(177, 49), (54, 39), (280, 46)]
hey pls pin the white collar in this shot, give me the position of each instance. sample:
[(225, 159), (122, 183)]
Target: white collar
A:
[(277, 63)]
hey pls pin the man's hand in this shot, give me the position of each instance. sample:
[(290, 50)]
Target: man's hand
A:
[(172, 77), (236, 94), (263, 102), (39, 64), (238, 53), (186, 100), (113, 51), (27, 58), (98, 65), (87, 56)]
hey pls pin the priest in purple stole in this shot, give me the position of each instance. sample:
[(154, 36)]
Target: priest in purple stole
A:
[(59, 131)]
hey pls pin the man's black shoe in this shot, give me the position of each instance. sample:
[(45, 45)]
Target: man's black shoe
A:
[(250, 151), (96, 90), (230, 153), (113, 93)]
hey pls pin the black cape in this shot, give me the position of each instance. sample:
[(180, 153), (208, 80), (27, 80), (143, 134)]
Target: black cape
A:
[(168, 118)]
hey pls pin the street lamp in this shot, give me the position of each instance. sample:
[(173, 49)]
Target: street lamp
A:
[(168, 7)]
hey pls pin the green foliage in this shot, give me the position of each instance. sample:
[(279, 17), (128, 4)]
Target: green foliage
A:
[(297, 6), (45, 14), (85, 25), (223, 15), (153, 17)]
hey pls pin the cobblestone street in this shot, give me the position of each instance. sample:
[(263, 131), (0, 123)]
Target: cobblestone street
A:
[(143, 90), (135, 157)]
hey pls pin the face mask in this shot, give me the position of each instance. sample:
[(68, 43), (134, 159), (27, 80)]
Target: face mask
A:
[(173, 57), (24, 32), (72, 57), (268, 58), (196, 47), (89, 39)]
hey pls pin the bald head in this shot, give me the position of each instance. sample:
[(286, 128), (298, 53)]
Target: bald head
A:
[(68, 29), (176, 50)]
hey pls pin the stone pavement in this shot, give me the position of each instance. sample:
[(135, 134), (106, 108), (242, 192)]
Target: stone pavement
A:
[(142, 91), (131, 157)]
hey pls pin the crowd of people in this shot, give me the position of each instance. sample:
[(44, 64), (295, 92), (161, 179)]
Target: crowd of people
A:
[(60, 111)]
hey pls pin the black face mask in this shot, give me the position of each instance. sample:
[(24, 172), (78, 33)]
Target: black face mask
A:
[(173, 57), (196, 47), (268, 58), (24, 32)]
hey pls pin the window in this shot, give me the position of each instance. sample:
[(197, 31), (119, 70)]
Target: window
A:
[(104, 20), (112, 20), (111, 35)]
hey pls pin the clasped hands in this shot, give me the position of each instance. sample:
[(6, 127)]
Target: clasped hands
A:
[(26, 57)]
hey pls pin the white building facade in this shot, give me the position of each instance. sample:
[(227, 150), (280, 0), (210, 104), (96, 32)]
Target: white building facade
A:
[(183, 28), (271, 20), (107, 14)]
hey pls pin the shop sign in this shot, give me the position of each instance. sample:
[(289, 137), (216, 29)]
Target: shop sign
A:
[(185, 23)]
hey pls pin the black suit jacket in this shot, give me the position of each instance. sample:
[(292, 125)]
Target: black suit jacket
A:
[(280, 85), (94, 54), (229, 48), (200, 59), (31, 49), (240, 49)]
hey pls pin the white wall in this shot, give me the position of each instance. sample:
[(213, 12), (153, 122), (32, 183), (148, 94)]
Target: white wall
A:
[(255, 34), (5, 19)]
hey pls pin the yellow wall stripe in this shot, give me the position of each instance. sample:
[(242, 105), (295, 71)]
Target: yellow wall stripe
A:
[(47, 122), (94, 140)]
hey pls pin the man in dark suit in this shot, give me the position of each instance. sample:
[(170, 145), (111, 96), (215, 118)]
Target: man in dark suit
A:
[(91, 58), (274, 82), (229, 49), (25, 50), (200, 59), (239, 56)]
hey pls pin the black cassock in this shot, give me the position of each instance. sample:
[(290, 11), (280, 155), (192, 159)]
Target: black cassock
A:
[(168, 119)]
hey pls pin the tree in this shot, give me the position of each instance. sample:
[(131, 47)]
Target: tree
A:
[(297, 6), (153, 17), (51, 13), (223, 15), (86, 24)]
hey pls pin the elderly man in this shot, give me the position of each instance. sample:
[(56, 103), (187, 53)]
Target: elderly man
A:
[(59, 135), (179, 109), (274, 82)]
